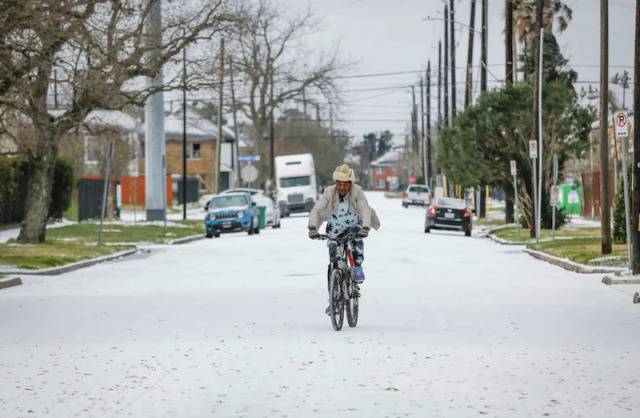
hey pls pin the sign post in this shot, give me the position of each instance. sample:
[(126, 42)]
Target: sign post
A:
[(555, 195), (533, 154), (514, 174), (621, 125)]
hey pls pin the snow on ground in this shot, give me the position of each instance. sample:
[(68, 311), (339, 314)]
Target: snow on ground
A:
[(449, 327)]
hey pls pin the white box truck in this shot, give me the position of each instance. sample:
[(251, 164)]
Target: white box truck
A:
[(296, 183)]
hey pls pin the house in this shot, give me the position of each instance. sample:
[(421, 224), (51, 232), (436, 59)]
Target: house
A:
[(384, 172), (201, 135)]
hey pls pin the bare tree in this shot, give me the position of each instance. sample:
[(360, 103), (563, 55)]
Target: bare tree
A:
[(271, 52), (100, 50)]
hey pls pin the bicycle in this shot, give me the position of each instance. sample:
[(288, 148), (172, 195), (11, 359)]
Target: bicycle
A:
[(344, 293)]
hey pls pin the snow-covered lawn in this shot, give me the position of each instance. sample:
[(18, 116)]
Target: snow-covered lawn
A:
[(449, 326)]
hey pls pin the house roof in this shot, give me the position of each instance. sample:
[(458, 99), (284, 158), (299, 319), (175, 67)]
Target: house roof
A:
[(197, 127), (389, 158)]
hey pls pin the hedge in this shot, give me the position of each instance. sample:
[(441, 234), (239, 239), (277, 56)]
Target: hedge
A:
[(14, 173)]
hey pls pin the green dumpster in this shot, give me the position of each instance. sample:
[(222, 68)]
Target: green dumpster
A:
[(262, 218), (570, 199)]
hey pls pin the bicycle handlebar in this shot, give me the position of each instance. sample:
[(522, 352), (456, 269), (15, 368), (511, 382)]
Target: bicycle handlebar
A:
[(348, 235)]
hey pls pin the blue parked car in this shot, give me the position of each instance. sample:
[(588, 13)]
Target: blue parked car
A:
[(231, 212)]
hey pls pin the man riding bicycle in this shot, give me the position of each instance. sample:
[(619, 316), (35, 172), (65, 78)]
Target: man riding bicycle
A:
[(343, 206)]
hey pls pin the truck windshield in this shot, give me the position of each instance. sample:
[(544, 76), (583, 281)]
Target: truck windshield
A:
[(295, 181), (228, 201)]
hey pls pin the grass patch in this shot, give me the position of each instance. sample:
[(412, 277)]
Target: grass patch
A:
[(51, 254), (393, 195), (581, 250), (522, 234), (87, 232), (489, 222)]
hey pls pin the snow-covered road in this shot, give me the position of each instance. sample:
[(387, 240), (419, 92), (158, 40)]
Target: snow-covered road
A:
[(449, 326)]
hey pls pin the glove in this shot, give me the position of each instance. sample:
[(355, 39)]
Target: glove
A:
[(363, 233), (313, 233)]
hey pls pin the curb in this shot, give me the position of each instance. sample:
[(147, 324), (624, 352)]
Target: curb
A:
[(611, 281), (15, 281), (501, 241), (185, 240), (571, 265), (73, 266)]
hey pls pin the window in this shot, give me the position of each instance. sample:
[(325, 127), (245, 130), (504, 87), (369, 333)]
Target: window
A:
[(91, 151), (379, 170), (195, 151), (381, 184), (295, 181)]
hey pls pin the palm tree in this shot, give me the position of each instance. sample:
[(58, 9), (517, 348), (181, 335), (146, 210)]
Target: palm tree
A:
[(556, 14)]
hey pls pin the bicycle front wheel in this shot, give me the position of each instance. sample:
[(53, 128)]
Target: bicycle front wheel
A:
[(336, 299), (351, 303)]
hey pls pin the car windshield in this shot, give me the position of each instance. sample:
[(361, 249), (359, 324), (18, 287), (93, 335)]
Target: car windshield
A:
[(419, 189), (450, 202), (228, 201), (295, 181)]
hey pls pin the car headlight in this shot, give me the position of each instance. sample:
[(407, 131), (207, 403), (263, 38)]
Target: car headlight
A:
[(240, 214), (211, 216)]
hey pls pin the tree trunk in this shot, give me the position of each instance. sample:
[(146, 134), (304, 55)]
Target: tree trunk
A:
[(509, 201), (483, 201), (604, 132), (38, 200), (635, 204)]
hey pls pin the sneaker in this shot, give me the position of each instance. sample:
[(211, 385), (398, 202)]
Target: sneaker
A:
[(358, 274)]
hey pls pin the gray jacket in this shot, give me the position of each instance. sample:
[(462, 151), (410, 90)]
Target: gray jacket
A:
[(328, 204)]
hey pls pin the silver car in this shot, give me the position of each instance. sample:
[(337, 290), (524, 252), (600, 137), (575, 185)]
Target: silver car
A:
[(416, 194)]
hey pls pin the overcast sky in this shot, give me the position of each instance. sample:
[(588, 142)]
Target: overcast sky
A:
[(392, 36)]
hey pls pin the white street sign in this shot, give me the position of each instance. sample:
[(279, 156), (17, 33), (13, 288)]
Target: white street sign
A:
[(514, 168), (533, 149), (249, 173), (555, 195), (621, 124)]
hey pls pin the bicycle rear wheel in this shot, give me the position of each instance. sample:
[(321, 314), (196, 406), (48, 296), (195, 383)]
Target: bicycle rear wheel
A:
[(351, 303), (336, 301)]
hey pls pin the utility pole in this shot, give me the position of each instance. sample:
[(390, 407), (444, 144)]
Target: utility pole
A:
[(483, 87), (508, 42), (472, 26), (272, 158), (446, 65), (184, 133), (510, 192), (453, 60), (236, 145), (427, 157), (483, 50), (439, 86), (422, 133), (536, 128), (605, 218), (154, 144), (219, 139), (635, 184)]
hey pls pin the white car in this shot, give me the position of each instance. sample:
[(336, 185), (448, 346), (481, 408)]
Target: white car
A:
[(272, 211), (416, 194)]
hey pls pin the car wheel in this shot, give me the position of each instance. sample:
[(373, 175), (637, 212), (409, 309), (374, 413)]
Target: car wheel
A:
[(467, 233), (427, 230), (404, 205), (208, 234), (217, 235)]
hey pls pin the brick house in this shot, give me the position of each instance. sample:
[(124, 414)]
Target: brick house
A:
[(384, 172), (201, 148)]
